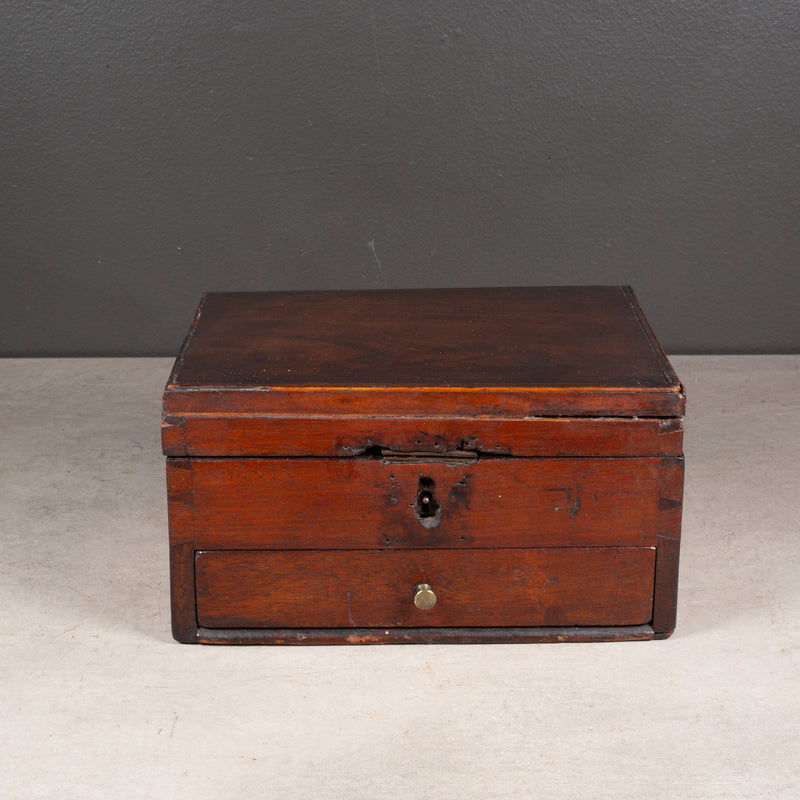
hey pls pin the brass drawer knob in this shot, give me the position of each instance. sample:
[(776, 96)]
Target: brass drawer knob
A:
[(424, 597)]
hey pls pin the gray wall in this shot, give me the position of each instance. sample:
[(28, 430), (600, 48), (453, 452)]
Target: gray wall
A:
[(155, 149)]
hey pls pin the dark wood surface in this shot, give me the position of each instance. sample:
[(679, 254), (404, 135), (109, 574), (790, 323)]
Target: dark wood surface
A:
[(547, 424), (180, 506), (446, 352), (255, 504), (460, 635), (534, 336), (668, 541), (371, 588)]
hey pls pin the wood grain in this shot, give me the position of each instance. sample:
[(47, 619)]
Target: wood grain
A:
[(544, 586), (399, 401), (368, 503), (529, 351), (347, 435)]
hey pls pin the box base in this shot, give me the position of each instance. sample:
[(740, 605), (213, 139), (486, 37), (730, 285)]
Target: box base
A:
[(311, 636)]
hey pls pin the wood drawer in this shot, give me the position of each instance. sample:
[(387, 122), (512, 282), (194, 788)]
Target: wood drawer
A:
[(331, 504), (571, 586)]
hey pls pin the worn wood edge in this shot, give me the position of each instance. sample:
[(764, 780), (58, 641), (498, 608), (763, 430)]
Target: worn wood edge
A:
[(173, 436), (180, 499), (668, 538), (182, 592), (665, 591), (667, 369), (221, 435), (173, 375), (180, 511), (670, 431), (435, 401), (363, 636), (668, 424), (404, 388)]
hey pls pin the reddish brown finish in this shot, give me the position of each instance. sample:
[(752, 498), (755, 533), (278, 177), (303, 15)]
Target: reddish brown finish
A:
[(367, 589), (180, 494), (563, 351), (563, 525), (232, 435), (257, 504), (426, 401)]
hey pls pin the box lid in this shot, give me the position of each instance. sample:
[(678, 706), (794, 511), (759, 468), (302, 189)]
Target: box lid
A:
[(423, 353)]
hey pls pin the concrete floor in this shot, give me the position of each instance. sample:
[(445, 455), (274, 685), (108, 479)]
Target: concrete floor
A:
[(99, 702)]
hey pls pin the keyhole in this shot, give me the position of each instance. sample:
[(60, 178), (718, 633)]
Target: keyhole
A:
[(426, 504), (429, 512)]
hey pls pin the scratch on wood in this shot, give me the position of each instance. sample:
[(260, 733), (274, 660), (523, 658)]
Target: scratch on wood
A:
[(671, 425), (576, 505), (350, 609), (573, 498)]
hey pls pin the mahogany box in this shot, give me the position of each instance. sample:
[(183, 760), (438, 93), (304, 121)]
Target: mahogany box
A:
[(448, 465)]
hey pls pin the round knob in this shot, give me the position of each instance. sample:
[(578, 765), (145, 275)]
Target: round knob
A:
[(424, 597)]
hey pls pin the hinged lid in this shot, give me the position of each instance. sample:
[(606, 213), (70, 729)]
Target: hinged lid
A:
[(296, 360)]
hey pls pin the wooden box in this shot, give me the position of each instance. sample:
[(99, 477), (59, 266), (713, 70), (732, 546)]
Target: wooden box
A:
[(465, 465)]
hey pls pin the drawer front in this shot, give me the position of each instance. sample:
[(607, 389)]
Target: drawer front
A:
[(375, 589), (281, 504)]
